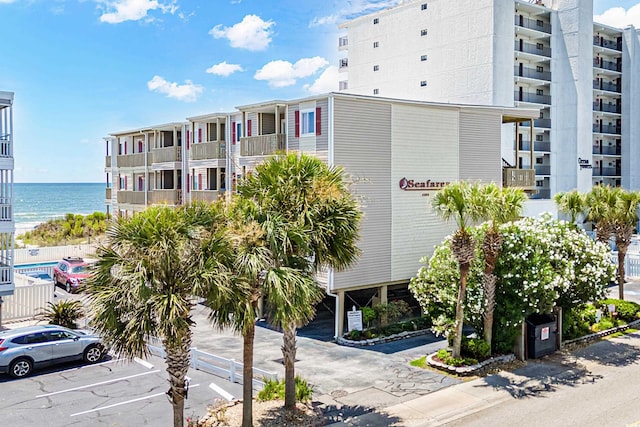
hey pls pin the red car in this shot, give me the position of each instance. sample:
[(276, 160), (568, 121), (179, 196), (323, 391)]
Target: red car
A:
[(70, 273)]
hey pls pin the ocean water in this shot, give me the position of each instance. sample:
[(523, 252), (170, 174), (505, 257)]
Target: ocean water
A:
[(36, 203)]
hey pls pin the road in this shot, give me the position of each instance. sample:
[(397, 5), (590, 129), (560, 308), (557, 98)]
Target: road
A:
[(604, 393)]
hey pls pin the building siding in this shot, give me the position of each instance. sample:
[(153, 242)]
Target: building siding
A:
[(480, 146)]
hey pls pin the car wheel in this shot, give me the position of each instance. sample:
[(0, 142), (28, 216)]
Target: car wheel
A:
[(20, 368), (68, 287), (92, 354)]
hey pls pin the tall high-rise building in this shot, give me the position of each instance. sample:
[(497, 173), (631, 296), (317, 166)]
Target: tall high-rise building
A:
[(7, 225)]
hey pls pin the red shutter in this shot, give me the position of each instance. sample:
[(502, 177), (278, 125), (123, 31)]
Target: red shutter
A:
[(318, 121), (125, 147), (199, 134), (297, 124), (188, 138), (233, 133), (199, 181), (248, 127)]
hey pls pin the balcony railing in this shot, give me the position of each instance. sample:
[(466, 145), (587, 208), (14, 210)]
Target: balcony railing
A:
[(542, 193), (205, 195), (609, 44), (166, 154), (607, 150), (107, 193), (208, 150), (107, 162), (600, 128), (343, 42), (611, 87), (543, 170), (166, 197), (523, 178), (532, 73), (6, 210), (606, 171), (262, 145), (607, 108), (607, 65), (343, 63), (535, 49), (532, 97), (132, 160), (538, 123), (537, 146), (533, 24), (131, 197)]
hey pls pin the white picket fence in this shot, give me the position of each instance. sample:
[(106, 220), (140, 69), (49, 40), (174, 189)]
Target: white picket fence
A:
[(631, 264), (52, 253), (220, 366), (26, 301)]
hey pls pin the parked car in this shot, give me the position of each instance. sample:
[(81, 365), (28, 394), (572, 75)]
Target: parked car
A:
[(39, 275), (70, 273), (24, 349)]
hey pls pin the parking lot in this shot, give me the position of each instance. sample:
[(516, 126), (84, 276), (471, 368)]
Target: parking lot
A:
[(115, 392)]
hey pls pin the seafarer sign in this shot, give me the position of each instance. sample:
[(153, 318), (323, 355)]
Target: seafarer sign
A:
[(413, 185)]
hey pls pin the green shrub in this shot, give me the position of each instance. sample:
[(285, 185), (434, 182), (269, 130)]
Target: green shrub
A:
[(354, 335), (274, 390), (476, 348), (446, 358), (577, 321), (627, 310), (64, 313), (607, 323), (368, 315)]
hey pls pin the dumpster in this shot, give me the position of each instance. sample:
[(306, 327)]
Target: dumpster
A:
[(541, 335)]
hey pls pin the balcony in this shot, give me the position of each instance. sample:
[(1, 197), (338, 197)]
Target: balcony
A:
[(611, 87), (533, 24), (5, 145), (532, 97), (606, 171), (607, 65), (532, 73), (543, 170), (131, 197), (165, 197), (205, 195), (542, 193), (133, 160), (166, 154), (208, 150), (535, 49), (6, 210), (107, 194), (600, 128), (609, 44), (607, 150), (343, 42), (537, 146), (521, 178), (262, 145), (606, 108), (538, 123), (107, 162), (343, 63)]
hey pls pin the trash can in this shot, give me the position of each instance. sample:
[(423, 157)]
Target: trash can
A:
[(541, 335)]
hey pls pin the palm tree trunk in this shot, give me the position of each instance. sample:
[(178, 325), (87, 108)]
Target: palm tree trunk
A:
[(489, 287), (247, 376), (177, 360), (622, 254), (289, 354), (462, 291)]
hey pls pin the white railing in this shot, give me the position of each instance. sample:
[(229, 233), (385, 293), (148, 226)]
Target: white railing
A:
[(216, 365), (26, 301), (52, 253), (631, 263)]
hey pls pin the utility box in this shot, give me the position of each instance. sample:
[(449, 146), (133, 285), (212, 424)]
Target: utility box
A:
[(541, 335)]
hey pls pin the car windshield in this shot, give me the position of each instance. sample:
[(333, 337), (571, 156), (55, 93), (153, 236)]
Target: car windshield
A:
[(79, 269)]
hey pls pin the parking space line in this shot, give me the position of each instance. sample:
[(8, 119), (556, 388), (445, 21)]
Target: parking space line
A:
[(222, 392), (96, 384), (143, 363), (124, 403)]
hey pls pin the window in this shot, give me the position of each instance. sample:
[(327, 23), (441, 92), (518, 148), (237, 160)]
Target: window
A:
[(423, 58), (343, 85), (539, 23), (539, 160), (376, 91), (307, 122), (423, 6), (375, 45), (539, 68), (375, 20), (376, 67), (539, 137), (539, 92), (539, 183), (423, 32), (539, 46), (423, 83), (542, 114)]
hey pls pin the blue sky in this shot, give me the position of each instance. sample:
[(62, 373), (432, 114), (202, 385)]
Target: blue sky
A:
[(81, 69)]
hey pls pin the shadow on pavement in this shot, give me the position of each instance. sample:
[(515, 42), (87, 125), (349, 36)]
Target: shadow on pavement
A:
[(336, 414), (610, 353)]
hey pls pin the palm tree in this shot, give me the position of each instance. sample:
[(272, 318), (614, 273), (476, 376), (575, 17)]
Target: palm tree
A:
[(625, 220), (601, 202), (143, 284), (311, 222), (458, 201), (572, 203), (499, 205)]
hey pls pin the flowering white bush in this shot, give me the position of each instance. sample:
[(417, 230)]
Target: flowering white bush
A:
[(543, 263)]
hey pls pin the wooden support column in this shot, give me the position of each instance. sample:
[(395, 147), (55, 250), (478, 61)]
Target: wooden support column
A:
[(340, 313), (382, 293)]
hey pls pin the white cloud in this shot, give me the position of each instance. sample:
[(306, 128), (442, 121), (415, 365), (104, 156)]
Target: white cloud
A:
[(187, 92), (252, 33), (224, 69), (619, 17), (7, 1), (353, 9), (327, 82), (281, 73), (117, 11)]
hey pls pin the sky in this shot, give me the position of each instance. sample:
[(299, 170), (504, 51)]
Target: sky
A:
[(82, 69)]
